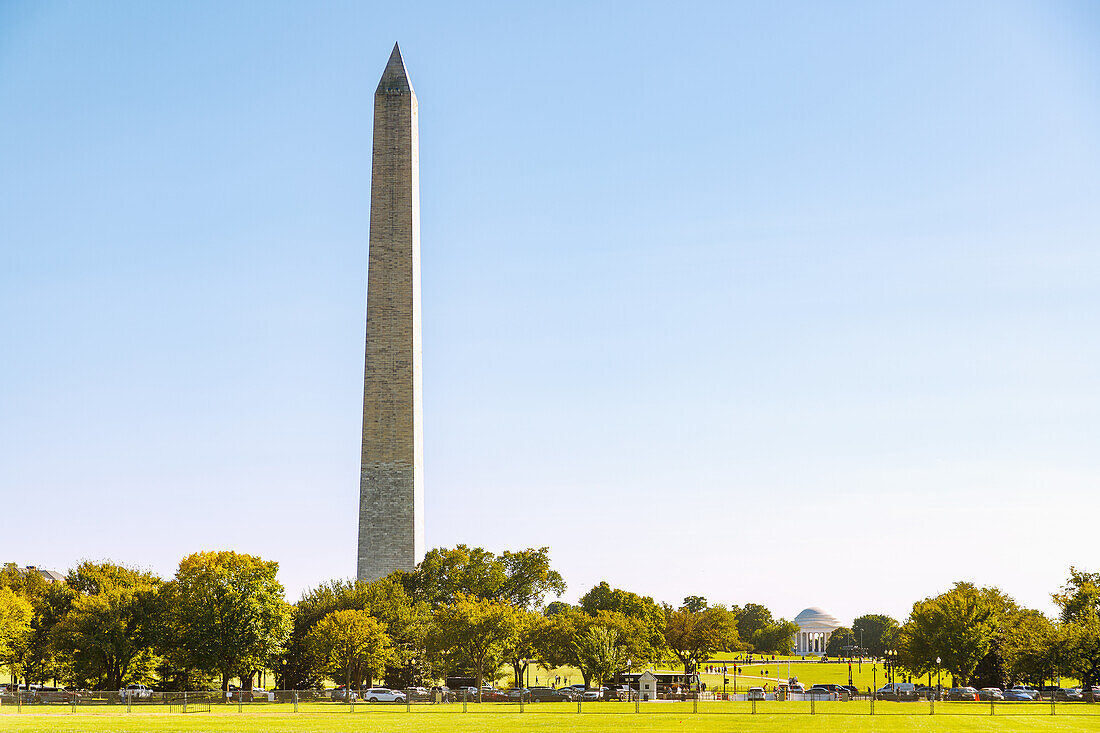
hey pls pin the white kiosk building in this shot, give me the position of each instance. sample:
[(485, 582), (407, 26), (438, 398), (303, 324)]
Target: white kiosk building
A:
[(814, 628)]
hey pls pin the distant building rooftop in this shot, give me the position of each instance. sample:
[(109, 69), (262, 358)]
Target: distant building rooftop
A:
[(815, 619), (51, 576)]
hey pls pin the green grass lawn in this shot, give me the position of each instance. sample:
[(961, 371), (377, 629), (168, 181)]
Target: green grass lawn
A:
[(830, 717), (808, 673)]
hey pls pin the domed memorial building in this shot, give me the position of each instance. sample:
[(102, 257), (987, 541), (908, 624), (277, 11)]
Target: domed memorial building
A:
[(814, 628)]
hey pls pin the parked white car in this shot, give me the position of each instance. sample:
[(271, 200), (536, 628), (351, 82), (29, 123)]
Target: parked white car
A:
[(383, 694), (135, 692)]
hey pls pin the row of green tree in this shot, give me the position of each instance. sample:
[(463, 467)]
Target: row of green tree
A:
[(472, 612), (468, 611), (982, 637)]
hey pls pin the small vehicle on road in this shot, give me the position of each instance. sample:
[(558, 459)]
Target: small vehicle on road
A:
[(545, 694), (898, 692), (342, 694), (1021, 693), (820, 692), (135, 692), (962, 694), (384, 694), (593, 695), (44, 694)]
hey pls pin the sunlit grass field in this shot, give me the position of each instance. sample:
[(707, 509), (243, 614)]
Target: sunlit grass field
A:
[(867, 675), (675, 716)]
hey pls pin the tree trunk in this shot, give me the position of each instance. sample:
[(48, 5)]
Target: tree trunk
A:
[(479, 676)]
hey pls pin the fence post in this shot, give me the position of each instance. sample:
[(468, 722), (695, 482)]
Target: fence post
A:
[(129, 699), (18, 699), (872, 703), (813, 710), (754, 705), (932, 704), (521, 702), (695, 703), (991, 705), (240, 701), (637, 703), (295, 701), (185, 702), (578, 705), (465, 697)]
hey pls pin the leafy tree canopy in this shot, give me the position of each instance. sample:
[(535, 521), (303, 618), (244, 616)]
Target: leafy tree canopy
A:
[(694, 636), (875, 632), (472, 632), (751, 619), (644, 609), (112, 626), (350, 645), (521, 579), (958, 627), (1079, 604), (840, 638), (15, 625), (226, 613)]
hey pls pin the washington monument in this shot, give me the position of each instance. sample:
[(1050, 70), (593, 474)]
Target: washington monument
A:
[(391, 483)]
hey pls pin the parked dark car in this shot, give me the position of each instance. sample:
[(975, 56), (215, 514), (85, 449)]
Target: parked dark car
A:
[(55, 694), (988, 694), (839, 690), (545, 694), (962, 694), (1047, 691), (341, 693), (818, 692), (1068, 695), (924, 692)]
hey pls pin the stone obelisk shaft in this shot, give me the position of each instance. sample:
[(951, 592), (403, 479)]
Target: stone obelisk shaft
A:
[(391, 489)]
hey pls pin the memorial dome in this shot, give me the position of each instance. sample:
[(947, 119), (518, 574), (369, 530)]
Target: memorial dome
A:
[(814, 628), (816, 619)]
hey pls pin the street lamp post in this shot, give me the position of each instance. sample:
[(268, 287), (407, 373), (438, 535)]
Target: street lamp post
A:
[(939, 687)]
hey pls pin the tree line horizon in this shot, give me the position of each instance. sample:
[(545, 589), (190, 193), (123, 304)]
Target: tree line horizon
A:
[(467, 611)]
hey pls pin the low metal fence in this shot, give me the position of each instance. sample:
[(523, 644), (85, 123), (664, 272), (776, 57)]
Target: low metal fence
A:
[(327, 701)]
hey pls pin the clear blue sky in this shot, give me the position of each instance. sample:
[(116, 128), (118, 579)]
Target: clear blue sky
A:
[(719, 299)]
